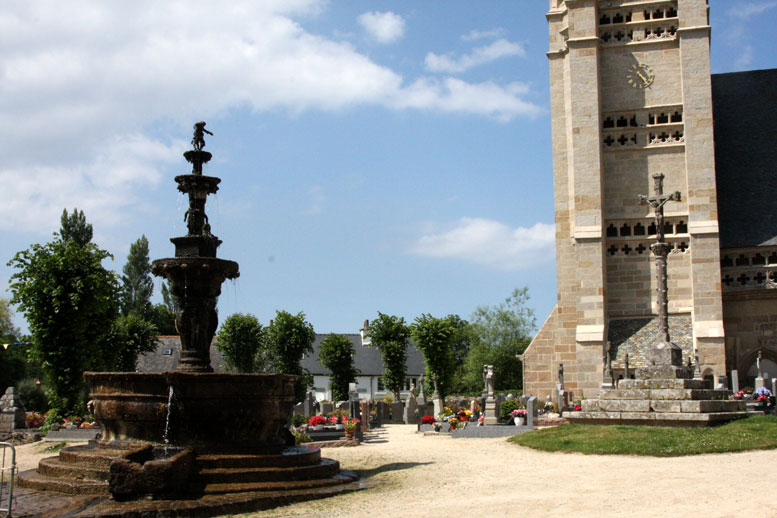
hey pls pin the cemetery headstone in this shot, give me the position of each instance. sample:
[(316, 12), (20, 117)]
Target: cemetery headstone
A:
[(13, 412), (774, 386), (327, 408), (382, 412), (411, 408), (438, 405), (722, 383), (421, 396), (510, 397), (299, 408), (734, 381), (364, 410), (344, 405), (397, 411), (490, 416), (308, 404), (531, 409)]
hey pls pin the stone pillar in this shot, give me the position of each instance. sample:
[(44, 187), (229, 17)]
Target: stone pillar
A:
[(13, 413), (734, 381)]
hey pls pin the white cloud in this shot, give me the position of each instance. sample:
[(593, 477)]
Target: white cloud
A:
[(384, 27), (490, 243), (479, 56), (475, 34), (745, 58), (745, 10), (80, 86), (316, 200)]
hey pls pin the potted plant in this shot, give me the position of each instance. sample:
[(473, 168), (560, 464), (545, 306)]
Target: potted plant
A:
[(317, 422), (453, 422), (350, 427), (763, 396), (519, 416)]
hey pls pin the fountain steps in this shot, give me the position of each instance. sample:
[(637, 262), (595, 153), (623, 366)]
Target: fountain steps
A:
[(340, 478), (300, 457), (324, 469), (89, 456), (55, 467), (32, 479)]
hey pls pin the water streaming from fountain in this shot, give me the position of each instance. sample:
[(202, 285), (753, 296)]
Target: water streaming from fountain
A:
[(166, 435)]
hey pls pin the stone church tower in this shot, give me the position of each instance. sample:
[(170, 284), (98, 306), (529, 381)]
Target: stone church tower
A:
[(630, 95)]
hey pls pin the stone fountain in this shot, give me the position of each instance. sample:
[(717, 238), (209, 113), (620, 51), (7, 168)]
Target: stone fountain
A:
[(192, 435)]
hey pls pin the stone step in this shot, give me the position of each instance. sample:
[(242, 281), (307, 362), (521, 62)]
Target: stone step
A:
[(655, 418), (325, 469), (669, 394), (223, 488), (31, 479), (55, 468), (90, 456), (293, 457), (667, 406), (664, 384)]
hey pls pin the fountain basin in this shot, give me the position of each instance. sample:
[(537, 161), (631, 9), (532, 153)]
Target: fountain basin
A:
[(211, 413)]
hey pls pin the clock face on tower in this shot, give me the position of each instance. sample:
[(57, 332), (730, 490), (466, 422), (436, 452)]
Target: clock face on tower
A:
[(640, 76)]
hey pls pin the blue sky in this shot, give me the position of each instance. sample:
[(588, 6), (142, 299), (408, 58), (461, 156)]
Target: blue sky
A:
[(375, 156)]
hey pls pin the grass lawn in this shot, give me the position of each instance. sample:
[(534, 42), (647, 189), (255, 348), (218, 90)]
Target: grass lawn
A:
[(752, 433)]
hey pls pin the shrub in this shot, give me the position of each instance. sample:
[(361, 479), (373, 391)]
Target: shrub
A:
[(300, 437), (507, 407), (297, 420), (33, 395)]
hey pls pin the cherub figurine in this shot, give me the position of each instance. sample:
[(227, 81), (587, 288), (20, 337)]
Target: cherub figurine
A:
[(198, 142)]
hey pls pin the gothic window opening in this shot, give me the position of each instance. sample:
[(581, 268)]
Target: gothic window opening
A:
[(605, 37), (682, 246), (726, 262), (759, 278), (657, 14), (677, 136), (668, 228), (677, 117), (612, 231), (618, 18), (633, 121), (609, 140), (604, 20), (640, 248), (633, 138), (727, 280), (671, 12), (773, 258), (626, 249), (613, 250), (742, 260), (658, 31), (672, 30), (620, 35), (625, 230), (663, 118), (743, 279), (682, 228), (622, 140), (622, 122), (639, 230), (608, 123), (759, 260), (652, 229), (773, 276)]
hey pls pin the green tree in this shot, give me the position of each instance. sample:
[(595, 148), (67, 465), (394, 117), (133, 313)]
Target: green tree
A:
[(74, 227), (7, 330), (434, 337), (137, 282), (168, 298), (502, 332), (390, 335), (241, 340), (130, 336), (289, 337), (70, 302), (336, 353), (163, 319), (12, 363)]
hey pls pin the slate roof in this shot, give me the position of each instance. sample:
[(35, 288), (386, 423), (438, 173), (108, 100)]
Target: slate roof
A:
[(367, 359), (745, 118)]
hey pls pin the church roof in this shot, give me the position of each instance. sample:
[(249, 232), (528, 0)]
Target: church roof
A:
[(745, 118)]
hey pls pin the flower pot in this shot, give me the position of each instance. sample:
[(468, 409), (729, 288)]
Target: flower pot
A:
[(518, 421), (349, 434)]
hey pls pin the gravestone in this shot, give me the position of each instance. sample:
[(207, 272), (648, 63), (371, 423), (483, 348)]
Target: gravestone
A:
[(427, 409), (308, 404), (364, 410), (438, 405), (531, 409), (299, 408), (382, 411), (13, 412), (510, 397), (491, 413), (397, 411), (499, 399), (353, 403), (344, 405), (327, 408), (774, 387), (722, 383), (411, 407), (734, 381), (421, 397)]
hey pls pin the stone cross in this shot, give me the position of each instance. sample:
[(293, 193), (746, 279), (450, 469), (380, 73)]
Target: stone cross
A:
[(490, 415), (561, 375), (664, 353), (421, 395)]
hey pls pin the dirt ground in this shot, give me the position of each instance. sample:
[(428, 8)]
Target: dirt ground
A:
[(437, 476)]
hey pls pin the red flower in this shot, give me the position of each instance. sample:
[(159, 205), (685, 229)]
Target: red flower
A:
[(427, 419)]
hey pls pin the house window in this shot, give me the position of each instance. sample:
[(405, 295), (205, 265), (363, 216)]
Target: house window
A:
[(167, 352), (380, 384)]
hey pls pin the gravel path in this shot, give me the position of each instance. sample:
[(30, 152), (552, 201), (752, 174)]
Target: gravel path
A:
[(417, 475)]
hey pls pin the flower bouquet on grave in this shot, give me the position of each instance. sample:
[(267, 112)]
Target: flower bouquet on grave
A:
[(763, 395), (464, 415), (428, 419), (452, 421), (317, 422), (350, 427)]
